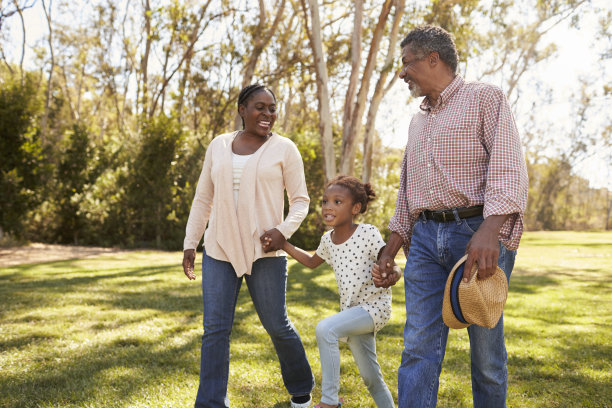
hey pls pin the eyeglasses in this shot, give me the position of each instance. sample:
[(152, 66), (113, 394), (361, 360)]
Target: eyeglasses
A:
[(406, 65)]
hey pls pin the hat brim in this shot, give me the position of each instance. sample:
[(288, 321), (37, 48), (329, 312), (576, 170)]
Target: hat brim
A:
[(448, 315), (479, 302)]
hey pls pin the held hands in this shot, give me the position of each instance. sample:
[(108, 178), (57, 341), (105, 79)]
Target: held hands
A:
[(385, 273), (272, 240), (188, 263)]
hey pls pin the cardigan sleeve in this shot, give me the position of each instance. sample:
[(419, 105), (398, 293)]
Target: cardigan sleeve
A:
[(201, 206), (295, 184)]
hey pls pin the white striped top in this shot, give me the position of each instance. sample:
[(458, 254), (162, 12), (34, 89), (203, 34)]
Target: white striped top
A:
[(238, 163)]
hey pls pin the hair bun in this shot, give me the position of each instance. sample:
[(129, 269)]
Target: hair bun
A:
[(369, 192)]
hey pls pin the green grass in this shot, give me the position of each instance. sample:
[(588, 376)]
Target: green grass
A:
[(124, 331)]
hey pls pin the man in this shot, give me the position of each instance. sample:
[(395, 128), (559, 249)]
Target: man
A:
[(463, 189)]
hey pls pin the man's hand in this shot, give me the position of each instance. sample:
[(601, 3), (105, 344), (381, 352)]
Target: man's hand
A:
[(272, 240), (483, 248), (389, 279), (383, 273), (188, 263)]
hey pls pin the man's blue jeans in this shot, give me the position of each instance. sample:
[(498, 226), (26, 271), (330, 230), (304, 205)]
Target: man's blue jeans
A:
[(434, 249), (267, 286)]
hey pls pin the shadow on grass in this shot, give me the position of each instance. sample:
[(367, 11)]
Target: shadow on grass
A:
[(123, 367), (525, 283), (528, 282), (302, 285), (571, 368)]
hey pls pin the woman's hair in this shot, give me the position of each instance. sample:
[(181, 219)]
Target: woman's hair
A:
[(426, 39), (248, 91), (362, 192)]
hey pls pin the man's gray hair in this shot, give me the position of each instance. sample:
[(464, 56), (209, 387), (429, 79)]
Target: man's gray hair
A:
[(426, 39)]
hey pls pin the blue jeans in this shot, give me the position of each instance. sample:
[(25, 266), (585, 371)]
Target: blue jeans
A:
[(356, 324), (434, 249), (267, 286)]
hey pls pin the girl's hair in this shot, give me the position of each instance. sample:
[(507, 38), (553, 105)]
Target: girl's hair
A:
[(248, 91), (362, 192)]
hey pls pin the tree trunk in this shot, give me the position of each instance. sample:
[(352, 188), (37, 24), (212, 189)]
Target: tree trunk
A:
[(23, 42), (144, 62), (379, 92), (259, 44), (347, 162), (349, 99), (609, 210), (325, 119), (45, 118)]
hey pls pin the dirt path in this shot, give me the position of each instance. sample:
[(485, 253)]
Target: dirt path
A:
[(36, 253)]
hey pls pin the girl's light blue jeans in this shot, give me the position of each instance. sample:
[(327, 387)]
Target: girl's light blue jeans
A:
[(356, 324), (434, 249), (267, 286)]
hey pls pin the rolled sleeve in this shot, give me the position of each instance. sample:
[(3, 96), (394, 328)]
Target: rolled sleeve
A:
[(402, 220), (507, 181)]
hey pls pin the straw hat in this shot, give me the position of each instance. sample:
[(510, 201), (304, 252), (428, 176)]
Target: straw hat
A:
[(479, 301)]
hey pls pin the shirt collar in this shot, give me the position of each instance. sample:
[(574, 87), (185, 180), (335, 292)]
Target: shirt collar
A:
[(446, 94)]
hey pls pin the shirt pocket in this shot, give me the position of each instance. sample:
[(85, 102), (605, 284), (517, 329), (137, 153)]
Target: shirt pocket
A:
[(459, 144)]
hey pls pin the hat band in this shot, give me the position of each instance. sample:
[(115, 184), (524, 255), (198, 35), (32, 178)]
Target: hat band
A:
[(454, 295)]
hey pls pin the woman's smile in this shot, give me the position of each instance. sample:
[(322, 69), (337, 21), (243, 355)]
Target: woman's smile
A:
[(259, 114)]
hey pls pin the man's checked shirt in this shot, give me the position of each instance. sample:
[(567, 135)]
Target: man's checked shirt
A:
[(463, 151)]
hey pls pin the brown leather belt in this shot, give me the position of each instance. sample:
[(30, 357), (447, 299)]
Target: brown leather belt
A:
[(449, 215)]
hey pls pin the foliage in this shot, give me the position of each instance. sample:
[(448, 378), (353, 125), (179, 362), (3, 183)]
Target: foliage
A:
[(312, 228), (560, 200), (150, 189), (124, 330), (385, 182), (105, 148), (76, 169), (21, 160)]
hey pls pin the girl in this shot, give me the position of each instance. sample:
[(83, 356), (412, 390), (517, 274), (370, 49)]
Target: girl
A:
[(351, 250)]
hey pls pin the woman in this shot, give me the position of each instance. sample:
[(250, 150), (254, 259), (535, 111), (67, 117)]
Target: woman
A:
[(240, 194)]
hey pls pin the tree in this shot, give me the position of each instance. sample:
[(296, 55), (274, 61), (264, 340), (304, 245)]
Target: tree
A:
[(325, 120), (75, 170), (351, 128), (49, 90), (152, 177), (20, 152), (382, 87)]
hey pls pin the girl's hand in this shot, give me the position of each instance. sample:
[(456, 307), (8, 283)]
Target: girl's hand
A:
[(385, 280), (272, 240), (188, 263)]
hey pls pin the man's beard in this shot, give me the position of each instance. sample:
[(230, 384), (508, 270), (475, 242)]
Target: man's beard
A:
[(415, 90)]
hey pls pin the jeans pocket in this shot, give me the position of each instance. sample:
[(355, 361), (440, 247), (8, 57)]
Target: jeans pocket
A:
[(472, 224)]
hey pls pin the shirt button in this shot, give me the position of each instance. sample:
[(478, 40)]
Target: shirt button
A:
[(428, 164), (431, 191), (429, 139), (433, 115)]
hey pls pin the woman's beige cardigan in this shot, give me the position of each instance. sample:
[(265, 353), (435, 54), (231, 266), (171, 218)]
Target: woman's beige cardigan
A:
[(233, 232)]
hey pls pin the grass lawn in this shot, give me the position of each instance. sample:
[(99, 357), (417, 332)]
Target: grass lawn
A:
[(124, 331)]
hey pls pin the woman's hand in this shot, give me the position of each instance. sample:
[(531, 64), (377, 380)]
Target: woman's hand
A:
[(272, 240), (188, 263)]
